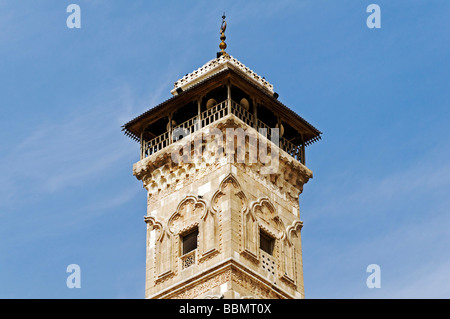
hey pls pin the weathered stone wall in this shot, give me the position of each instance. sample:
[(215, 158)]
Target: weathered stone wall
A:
[(229, 203)]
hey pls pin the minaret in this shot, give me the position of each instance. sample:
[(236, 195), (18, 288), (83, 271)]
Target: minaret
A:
[(223, 163)]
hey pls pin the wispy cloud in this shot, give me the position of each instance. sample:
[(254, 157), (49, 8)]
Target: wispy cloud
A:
[(58, 161), (58, 155), (401, 221), (429, 281), (350, 192)]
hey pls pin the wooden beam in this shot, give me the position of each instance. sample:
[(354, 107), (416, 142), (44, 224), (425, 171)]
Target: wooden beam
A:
[(255, 113), (142, 145), (229, 96), (303, 155)]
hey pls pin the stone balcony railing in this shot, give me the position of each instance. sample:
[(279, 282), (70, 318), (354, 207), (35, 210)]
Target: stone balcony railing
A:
[(187, 260), (268, 265), (210, 116)]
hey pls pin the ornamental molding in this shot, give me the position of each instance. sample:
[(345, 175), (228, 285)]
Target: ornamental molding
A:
[(161, 175), (216, 65)]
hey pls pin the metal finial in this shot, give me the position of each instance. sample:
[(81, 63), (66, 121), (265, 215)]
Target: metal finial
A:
[(223, 27)]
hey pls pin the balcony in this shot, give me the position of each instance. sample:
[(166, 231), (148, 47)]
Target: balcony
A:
[(187, 260), (209, 116)]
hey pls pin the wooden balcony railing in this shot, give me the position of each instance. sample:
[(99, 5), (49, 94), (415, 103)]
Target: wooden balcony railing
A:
[(212, 115)]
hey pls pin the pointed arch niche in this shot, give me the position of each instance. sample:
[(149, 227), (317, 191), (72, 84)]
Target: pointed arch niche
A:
[(163, 249), (191, 213), (292, 261), (261, 221), (229, 197)]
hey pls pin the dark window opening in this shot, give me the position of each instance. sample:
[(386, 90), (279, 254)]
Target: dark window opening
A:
[(237, 95), (267, 116), (266, 242), (185, 113), (218, 94), (189, 241), (291, 134), (155, 129)]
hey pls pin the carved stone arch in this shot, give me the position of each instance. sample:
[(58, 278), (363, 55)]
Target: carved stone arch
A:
[(267, 217), (226, 187), (153, 224), (230, 199), (194, 212), (263, 216), (296, 226), (162, 245), (164, 256), (291, 262), (287, 261), (209, 230), (250, 233), (187, 214), (250, 238)]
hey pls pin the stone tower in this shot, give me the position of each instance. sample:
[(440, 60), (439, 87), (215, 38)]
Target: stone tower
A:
[(223, 163)]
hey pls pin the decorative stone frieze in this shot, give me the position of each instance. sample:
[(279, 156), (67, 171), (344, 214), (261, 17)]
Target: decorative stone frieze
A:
[(216, 65), (162, 176)]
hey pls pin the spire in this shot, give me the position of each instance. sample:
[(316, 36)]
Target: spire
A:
[(222, 44)]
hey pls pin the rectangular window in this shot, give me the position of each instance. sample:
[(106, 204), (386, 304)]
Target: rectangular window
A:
[(266, 242), (189, 241)]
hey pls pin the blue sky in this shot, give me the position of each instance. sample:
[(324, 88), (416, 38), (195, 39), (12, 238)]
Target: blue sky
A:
[(380, 192)]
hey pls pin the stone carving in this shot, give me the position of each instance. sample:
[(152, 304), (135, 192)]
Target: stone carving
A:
[(209, 235), (292, 262), (163, 249), (187, 215), (153, 224), (188, 260), (216, 65), (231, 187), (202, 287), (250, 240), (161, 176), (259, 290), (262, 215), (267, 217), (288, 262), (248, 217), (164, 265), (194, 212)]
